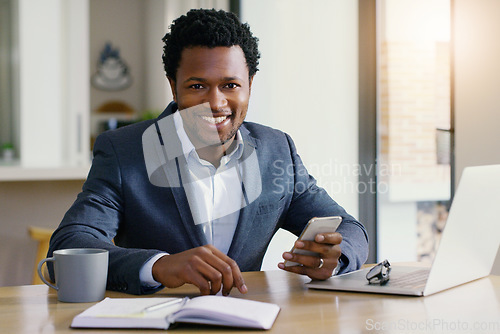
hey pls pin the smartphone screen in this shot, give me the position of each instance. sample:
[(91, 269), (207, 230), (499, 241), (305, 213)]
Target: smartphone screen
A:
[(314, 226)]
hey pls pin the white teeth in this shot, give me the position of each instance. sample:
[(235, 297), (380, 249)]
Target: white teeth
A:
[(214, 120)]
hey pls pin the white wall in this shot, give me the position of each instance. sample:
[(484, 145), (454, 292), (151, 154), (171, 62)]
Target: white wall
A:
[(307, 86), (53, 92), (477, 82)]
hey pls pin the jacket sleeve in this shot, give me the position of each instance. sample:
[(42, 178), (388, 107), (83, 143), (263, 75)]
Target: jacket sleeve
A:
[(93, 219), (309, 200)]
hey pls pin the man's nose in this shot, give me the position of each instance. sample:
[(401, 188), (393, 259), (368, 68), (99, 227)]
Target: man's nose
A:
[(217, 99)]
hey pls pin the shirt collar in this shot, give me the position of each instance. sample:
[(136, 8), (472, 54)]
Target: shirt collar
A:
[(188, 148)]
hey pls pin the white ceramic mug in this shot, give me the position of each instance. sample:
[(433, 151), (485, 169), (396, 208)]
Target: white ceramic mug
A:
[(81, 274)]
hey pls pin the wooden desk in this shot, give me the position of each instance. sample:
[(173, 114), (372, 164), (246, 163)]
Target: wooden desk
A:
[(473, 307)]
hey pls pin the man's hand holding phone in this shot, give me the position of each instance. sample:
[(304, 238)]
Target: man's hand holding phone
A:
[(317, 250)]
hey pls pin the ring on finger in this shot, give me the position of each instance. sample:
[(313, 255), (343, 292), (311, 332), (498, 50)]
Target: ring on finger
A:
[(321, 263)]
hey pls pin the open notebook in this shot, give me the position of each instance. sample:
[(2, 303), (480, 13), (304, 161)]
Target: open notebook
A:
[(160, 313), (467, 250)]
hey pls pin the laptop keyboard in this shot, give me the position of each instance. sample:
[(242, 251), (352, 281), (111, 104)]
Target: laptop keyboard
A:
[(412, 280)]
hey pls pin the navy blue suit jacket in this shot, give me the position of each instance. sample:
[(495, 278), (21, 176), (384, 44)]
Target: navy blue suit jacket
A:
[(119, 203)]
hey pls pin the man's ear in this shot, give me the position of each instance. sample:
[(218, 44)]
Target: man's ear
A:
[(172, 88)]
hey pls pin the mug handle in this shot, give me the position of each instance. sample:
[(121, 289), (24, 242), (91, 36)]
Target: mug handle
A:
[(39, 269)]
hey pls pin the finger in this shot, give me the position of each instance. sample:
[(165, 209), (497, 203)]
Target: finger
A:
[(311, 261), (201, 274), (203, 285), (301, 270), (328, 238), (195, 277), (224, 265), (211, 268), (230, 278), (318, 274), (239, 282), (222, 275), (231, 274), (313, 246), (322, 273), (237, 277), (319, 249)]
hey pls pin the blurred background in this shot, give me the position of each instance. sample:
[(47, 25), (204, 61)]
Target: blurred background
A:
[(386, 100)]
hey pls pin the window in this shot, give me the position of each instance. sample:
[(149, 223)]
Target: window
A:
[(413, 126)]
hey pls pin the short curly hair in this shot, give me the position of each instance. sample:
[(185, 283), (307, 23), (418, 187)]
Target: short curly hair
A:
[(208, 28)]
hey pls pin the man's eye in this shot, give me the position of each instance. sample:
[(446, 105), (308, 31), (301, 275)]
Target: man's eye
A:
[(196, 86), (232, 85)]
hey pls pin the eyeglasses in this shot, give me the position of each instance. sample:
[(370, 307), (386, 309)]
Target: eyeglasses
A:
[(379, 274)]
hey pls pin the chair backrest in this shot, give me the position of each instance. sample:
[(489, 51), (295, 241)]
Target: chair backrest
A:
[(42, 236)]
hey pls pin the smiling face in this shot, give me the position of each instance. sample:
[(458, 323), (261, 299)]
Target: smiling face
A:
[(217, 77)]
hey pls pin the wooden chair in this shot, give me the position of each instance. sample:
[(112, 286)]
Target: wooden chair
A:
[(42, 236)]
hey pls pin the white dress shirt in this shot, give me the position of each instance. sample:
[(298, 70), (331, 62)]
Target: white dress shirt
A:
[(215, 195)]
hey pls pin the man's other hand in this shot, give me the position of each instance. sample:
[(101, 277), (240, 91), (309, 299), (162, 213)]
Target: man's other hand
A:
[(321, 267), (206, 267)]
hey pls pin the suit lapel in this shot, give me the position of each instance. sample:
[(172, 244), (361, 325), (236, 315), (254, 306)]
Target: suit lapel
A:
[(175, 171), (252, 187)]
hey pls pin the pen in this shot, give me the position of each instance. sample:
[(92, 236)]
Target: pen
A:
[(164, 304)]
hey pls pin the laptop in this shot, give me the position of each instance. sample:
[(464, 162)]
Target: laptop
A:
[(467, 250)]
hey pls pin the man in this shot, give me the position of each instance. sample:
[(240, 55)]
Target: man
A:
[(196, 195)]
